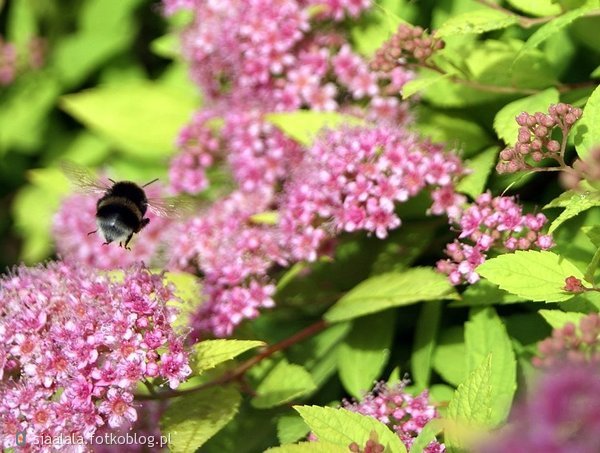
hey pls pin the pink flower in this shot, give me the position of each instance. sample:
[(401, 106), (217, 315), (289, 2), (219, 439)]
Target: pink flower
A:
[(72, 342)]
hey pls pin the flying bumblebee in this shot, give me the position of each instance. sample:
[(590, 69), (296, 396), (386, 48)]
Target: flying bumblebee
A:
[(122, 206)]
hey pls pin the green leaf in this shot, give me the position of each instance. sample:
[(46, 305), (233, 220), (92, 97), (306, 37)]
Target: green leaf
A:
[(142, 119), (425, 337), (593, 233), (309, 447), (505, 124), (167, 46), (586, 133), (470, 406), (486, 335), (424, 80), (449, 355), (486, 293), (539, 276), (210, 353), (576, 204), (481, 167), (552, 27), (539, 8), (365, 351), (304, 125), (591, 268), (389, 290), (291, 428), (21, 24), (284, 383), (557, 319), (476, 22), (105, 27), (193, 419), (342, 427), (461, 133), (187, 293), (427, 435)]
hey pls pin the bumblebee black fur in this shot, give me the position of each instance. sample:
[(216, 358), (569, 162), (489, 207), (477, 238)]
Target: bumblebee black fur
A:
[(120, 212)]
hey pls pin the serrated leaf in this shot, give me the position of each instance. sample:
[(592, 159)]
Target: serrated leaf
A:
[(470, 406), (586, 133), (210, 353), (424, 344), (539, 276), (486, 293), (389, 290), (193, 419), (478, 21), (291, 428), (284, 383), (342, 427), (505, 124), (304, 125), (424, 80), (367, 344), (557, 318), (141, 119), (309, 447), (539, 8), (485, 334), (552, 27), (576, 204), (481, 167)]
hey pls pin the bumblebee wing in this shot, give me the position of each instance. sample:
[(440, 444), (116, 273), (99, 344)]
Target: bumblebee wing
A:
[(83, 179), (171, 207)]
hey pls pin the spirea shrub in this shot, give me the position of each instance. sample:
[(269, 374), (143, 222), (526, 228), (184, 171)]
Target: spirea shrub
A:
[(372, 190)]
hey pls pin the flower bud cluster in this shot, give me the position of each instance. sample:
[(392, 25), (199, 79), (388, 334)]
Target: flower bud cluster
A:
[(402, 412), (409, 44), (571, 343), (535, 140), (371, 446), (586, 169), (491, 223)]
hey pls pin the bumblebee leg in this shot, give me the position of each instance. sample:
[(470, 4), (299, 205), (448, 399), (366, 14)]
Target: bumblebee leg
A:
[(92, 232), (144, 222), (105, 243), (127, 242)]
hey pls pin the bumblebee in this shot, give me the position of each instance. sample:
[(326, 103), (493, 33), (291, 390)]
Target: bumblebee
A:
[(121, 210)]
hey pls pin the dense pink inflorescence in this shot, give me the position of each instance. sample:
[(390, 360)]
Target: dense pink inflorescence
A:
[(74, 344), (350, 180), (404, 413), (570, 343), (77, 217), (491, 223), (234, 254), (353, 179), (562, 414)]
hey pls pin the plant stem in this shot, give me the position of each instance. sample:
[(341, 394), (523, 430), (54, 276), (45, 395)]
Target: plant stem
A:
[(238, 373)]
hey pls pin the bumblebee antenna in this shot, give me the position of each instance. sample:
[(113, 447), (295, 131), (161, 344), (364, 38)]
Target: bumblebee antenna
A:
[(112, 180), (148, 183)]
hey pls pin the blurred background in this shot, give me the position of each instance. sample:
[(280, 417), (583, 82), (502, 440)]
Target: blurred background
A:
[(94, 81)]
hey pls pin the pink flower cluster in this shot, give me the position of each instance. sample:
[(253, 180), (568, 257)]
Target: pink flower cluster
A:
[(491, 223), (571, 344), (561, 414), (74, 343), (77, 217), (8, 62), (405, 414), (352, 179), (255, 57), (234, 255)]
